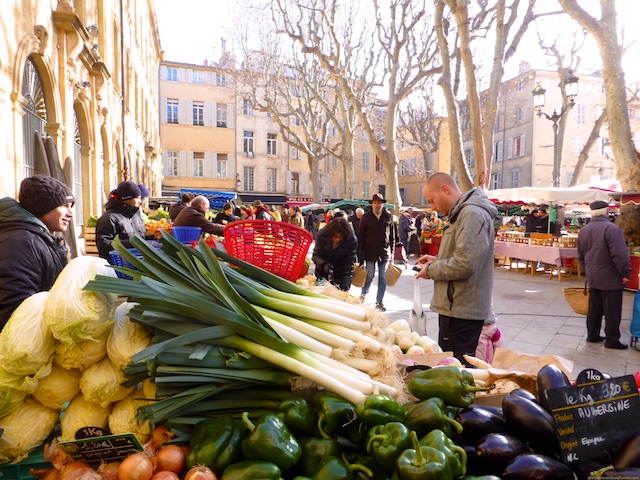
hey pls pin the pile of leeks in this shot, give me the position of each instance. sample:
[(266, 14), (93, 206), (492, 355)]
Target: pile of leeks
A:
[(230, 338)]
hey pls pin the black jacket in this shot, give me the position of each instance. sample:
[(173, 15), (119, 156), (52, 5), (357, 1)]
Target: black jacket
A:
[(376, 238), (30, 257), (341, 257), (117, 220)]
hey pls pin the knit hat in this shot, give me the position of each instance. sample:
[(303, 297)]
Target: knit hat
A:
[(127, 190), (598, 204), (41, 193), (144, 191)]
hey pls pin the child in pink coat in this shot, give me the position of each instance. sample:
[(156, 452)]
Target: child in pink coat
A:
[(490, 338)]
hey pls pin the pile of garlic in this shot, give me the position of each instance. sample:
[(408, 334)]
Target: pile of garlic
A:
[(406, 341)]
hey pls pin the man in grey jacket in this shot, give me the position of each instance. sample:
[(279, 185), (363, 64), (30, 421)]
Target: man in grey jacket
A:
[(463, 270), (604, 257)]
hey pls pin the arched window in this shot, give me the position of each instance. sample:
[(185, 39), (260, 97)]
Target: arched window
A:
[(35, 118), (77, 171)]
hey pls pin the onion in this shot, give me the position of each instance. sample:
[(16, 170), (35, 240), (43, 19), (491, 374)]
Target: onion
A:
[(137, 466), (200, 473), (109, 470), (170, 458), (78, 471), (165, 475)]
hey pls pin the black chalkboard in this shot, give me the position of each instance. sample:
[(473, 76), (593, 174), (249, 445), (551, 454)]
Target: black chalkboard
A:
[(93, 449), (595, 416)]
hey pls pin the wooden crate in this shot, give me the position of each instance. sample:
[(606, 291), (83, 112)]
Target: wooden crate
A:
[(89, 235)]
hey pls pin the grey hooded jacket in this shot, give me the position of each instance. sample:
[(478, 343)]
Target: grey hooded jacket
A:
[(463, 272)]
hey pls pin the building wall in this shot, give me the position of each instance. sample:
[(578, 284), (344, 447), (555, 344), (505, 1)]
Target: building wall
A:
[(79, 61)]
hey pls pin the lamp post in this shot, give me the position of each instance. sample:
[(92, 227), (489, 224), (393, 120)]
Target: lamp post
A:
[(571, 90)]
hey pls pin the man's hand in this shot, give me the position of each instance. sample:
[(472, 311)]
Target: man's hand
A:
[(423, 269), (625, 280), (426, 259)]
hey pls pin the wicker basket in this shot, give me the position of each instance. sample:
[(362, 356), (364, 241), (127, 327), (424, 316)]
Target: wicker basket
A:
[(277, 247), (578, 298)]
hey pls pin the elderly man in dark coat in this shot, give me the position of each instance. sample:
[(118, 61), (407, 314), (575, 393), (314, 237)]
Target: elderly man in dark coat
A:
[(604, 257)]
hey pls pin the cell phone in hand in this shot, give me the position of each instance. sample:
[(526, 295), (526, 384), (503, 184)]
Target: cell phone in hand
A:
[(417, 268)]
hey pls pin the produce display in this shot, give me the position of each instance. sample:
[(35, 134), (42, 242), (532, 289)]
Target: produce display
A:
[(201, 363)]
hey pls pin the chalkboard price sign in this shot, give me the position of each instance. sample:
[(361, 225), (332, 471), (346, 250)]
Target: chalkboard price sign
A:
[(595, 416), (109, 448)]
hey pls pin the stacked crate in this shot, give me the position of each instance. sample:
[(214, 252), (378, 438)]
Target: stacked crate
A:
[(90, 247)]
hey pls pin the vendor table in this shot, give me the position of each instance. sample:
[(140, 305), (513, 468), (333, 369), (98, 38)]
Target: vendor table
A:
[(538, 253)]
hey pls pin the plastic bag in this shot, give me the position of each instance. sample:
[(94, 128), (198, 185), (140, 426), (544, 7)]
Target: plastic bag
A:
[(417, 316)]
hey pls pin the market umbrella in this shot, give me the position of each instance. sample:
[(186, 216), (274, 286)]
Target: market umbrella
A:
[(57, 172)]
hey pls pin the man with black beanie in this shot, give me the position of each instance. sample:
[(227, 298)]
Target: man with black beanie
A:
[(124, 202), (31, 257)]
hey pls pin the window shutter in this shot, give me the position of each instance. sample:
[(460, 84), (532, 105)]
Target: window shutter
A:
[(189, 112), (182, 164), (509, 147), (209, 114), (189, 164), (163, 110), (181, 111), (230, 115), (522, 145), (231, 167), (163, 72), (288, 182), (189, 77), (181, 74), (165, 162)]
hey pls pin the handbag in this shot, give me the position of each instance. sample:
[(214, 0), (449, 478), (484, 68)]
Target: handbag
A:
[(399, 254), (359, 275), (417, 315), (577, 298), (393, 274)]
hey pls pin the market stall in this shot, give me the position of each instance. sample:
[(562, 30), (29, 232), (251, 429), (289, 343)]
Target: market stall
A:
[(545, 254)]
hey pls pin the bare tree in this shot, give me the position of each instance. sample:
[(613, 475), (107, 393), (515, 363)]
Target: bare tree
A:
[(420, 126), (604, 31), (398, 54), (509, 25)]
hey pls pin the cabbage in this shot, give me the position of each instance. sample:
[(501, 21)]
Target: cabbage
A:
[(26, 342), (59, 387), (127, 338), (80, 414), (74, 314), (14, 388), (81, 355), (25, 429), (123, 417), (100, 383)]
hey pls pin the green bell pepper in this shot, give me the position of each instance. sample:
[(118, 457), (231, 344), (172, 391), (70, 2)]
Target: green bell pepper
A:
[(337, 417), (386, 442), (299, 417), (270, 440), (334, 468), (456, 456), (252, 470), (428, 415), (422, 463), (216, 443), (314, 450), (380, 409), (452, 384), (368, 461)]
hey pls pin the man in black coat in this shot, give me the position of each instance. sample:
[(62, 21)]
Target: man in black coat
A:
[(604, 257), (377, 236), (31, 258)]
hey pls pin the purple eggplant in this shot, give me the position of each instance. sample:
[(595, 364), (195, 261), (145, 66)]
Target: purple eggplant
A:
[(523, 392), (628, 455), (550, 376), (533, 466), (496, 450), (478, 421), (531, 423)]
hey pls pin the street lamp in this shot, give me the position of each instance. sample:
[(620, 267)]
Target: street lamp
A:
[(571, 90)]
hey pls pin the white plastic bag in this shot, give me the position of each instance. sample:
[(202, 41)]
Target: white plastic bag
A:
[(417, 316)]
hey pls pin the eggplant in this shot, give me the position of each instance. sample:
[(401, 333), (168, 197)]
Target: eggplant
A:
[(583, 469), (523, 392), (478, 421), (472, 460), (531, 423), (626, 473), (496, 450), (533, 466), (550, 376), (628, 455)]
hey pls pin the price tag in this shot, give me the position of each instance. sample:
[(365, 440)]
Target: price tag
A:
[(93, 445), (595, 416)]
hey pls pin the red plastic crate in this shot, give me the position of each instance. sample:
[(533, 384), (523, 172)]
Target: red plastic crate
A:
[(277, 247)]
